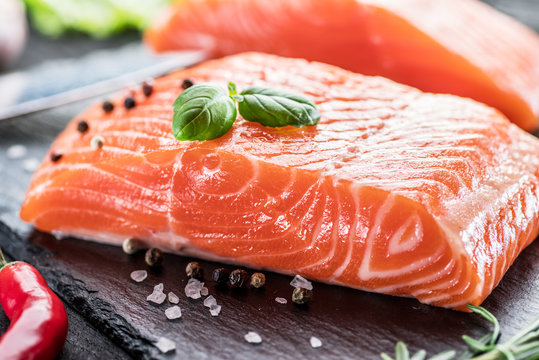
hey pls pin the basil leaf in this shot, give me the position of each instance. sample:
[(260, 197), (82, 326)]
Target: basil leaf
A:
[(203, 112), (274, 107)]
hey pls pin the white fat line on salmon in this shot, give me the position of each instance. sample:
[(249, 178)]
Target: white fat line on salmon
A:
[(352, 232)]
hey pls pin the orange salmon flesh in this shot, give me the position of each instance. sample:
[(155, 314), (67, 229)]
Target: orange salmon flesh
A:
[(395, 191), (460, 47)]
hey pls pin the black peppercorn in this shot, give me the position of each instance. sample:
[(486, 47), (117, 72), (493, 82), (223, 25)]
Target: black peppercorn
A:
[(154, 257), (220, 276), (194, 270), (82, 126), (129, 102), (130, 246), (56, 156), (238, 278), (187, 83), (147, 88), (301, 295), (107, 106), (258, 280)]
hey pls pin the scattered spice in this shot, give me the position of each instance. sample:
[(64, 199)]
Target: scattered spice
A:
[(315, 342), (147, 88), (139, 275), (97, 142), (281, 300), (56, 156), (220, 276), (173, 312), (252, 337), (258, 280), (194, 270), (82, 126), (187, 83), (238, 278), (130, 246), (107, 106), (301, 295), (154, 257), (129, 102)]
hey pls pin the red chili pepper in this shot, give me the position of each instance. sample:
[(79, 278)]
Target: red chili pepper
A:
[(38, 318)]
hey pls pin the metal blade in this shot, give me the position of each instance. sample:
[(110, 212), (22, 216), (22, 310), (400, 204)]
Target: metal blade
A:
[(57, 83)]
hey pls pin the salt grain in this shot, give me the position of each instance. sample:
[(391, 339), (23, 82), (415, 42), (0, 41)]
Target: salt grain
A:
[(158, 296), (165, 345), (204, 291), (315, 342), (139, 275), (215, 310), (173, 298), (209, 301), (300, 281), (31, 164), (252, 337), (173, 312), (281, 300), (193, 288), (16, 152)]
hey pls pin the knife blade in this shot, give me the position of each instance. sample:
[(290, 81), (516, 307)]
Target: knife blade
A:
[(61, 82)]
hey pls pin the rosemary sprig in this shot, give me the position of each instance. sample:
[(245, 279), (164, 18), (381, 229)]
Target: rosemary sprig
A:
[(522, 346)]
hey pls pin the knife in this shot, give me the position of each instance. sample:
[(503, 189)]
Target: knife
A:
[(60, 82)]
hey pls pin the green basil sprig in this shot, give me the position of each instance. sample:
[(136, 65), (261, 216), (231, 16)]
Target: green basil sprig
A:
[(203, 112), (275, 107), (206, 111)]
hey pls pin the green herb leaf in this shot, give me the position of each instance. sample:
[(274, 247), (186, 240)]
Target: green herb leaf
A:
[(401, 351), (203, 112), (232, 88), (420, 355), (444, 355), (487, 315), (273, 107), (476, 345), (385, 356)]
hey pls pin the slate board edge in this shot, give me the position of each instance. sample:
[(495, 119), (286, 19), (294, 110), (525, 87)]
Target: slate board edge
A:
[(73, 292)]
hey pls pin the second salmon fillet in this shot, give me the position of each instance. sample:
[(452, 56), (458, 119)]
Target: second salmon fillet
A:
[(394, 191)]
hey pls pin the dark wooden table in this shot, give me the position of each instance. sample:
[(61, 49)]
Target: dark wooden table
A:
[(110, 318)]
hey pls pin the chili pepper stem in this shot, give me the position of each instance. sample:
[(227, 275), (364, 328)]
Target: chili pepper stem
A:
[(3, 261)]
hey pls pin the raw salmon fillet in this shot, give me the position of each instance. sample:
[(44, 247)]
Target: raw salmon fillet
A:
[(460, 47), (394, 191)]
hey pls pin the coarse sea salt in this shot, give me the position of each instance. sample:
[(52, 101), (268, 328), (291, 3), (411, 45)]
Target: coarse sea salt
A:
[(315, 342), (157, 296), (281, 300), (31, 164), (215, 309), (173, 298), (209, 301), (192, 289), (252, 337), (16, 152), (173, 312), (204, 291), (139, 275), (300, 281), (165, 345)]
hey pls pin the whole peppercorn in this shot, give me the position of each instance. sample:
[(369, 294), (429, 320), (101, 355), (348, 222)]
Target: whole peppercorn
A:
[(154, 257), (220, 276), (82, 126), (129, 102), (97, 142), (130, 246), (187, 83), (56, 156), (301, 295), (258, 280), (238, 278), (147, 88), (194, 270), (107, 106)]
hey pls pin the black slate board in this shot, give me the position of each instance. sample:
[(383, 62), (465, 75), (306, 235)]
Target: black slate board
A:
[(110, 318)]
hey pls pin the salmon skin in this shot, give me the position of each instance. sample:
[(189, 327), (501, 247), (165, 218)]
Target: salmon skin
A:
[(394, 191), (460, 47)]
